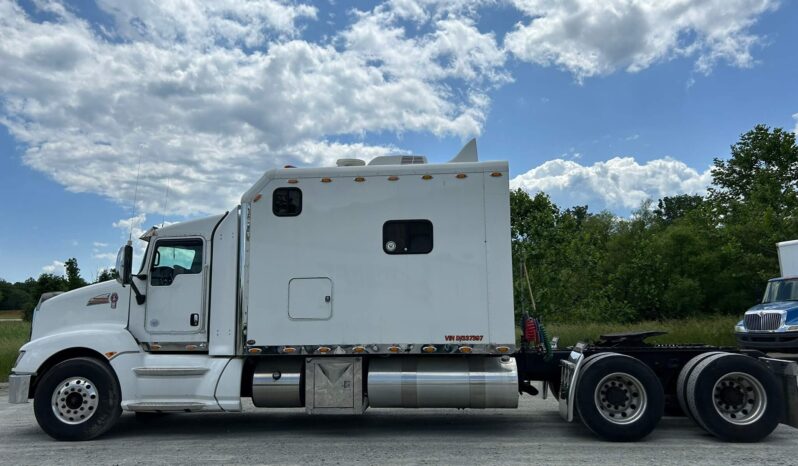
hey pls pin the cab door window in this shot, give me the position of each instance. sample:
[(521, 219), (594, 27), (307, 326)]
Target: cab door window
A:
[(173, 258)]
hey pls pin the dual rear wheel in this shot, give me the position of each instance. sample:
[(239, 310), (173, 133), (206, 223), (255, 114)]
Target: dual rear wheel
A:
[(732, 396)]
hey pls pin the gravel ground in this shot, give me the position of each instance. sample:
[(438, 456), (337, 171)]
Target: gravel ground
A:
[(533, 434)]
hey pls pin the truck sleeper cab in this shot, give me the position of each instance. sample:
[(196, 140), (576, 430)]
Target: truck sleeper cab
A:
[(339, 289)]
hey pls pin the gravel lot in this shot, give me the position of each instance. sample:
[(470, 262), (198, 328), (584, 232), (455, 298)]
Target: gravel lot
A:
[(533, 434)]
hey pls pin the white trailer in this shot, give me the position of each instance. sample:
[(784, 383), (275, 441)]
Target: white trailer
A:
[(342, 288), (788, 258)]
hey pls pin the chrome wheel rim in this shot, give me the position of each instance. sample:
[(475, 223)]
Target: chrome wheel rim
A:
[(739, 398), (75, 400), (620, 398)]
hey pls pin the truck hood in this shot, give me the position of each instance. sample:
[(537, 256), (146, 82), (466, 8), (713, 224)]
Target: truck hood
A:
[(775, 306), (102, 303), (788, 308)]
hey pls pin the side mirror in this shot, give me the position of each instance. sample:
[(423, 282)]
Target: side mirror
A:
[(124, 264)]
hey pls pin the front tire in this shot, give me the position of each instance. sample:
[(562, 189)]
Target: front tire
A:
[(619, 398), (78, 399)]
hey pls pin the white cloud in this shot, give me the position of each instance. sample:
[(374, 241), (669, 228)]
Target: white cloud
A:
[(56, 268), (795, 117), (209, 95), (98, 244), (590, 38), (619, 183)]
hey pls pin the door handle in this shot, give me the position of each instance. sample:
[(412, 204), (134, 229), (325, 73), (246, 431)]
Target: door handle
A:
[(194, 320)]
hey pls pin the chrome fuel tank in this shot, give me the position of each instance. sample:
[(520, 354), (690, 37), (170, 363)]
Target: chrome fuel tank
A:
[(279, 383), (443, 382)]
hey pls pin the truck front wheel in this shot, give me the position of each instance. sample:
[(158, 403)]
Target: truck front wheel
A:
[(619, 398), (78, 399)]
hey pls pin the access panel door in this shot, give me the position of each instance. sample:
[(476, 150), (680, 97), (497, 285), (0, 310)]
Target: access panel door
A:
[(176, 291), (310, 298)]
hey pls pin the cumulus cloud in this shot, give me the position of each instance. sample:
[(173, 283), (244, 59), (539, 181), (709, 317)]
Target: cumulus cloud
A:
[(204, 97), (795, 117), (590, 38), (620, 183), (55, 268)]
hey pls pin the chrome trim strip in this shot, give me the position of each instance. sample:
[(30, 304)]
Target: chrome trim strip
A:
[(403, 348), (18, 388), (165, 406), (169, 371)]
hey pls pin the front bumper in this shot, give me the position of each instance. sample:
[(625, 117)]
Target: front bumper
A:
[(768, 340), (18, 388)]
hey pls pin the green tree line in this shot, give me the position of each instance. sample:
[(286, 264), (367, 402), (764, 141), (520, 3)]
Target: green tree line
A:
[(25, 295), (684, 256)]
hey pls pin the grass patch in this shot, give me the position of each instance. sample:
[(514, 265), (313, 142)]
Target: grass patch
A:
[(11, 315), (714, 330), (12, 336)]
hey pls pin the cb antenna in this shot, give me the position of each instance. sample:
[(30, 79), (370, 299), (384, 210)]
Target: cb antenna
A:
[(135, 196), (165, 202)]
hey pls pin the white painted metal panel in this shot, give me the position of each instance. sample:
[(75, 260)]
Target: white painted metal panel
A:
[(310, 298), (380, 298), (224, 287), (788, 258)]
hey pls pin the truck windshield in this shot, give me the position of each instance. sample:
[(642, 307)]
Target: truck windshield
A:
[(781, 290)]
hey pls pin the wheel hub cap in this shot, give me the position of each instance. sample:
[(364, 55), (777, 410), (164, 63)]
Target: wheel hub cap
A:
[(75, 400), (620, 398), (739, 398)]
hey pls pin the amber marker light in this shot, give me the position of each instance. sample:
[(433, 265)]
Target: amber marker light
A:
[(503, 349), (461, 176), (110, 355), (495, 174), (428, 349), (255, 350), (360, 179), (326, 180), (393, 178), (393, 349), (359, 349), (324, 349), (191, 347), (257, 197), (465, 349), (155, 346), (426, 177), (289, 349), (293, 181)]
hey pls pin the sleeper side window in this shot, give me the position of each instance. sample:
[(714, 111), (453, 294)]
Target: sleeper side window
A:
[(407, 237), (287, 202), (175, 257)]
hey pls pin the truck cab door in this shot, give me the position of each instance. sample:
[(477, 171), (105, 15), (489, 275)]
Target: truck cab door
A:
[(175, 310)]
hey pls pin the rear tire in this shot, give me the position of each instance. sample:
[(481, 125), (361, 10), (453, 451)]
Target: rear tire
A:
[(681, 382), (78, 399), (619, 398), (735, 398)]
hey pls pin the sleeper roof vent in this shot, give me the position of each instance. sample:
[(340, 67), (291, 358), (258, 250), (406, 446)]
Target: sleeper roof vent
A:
[(350, 163), (398, 160)]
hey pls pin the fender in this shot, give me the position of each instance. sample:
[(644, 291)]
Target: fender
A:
[(109, 340)]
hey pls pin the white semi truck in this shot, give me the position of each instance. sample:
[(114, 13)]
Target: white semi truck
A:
[(381, 285)]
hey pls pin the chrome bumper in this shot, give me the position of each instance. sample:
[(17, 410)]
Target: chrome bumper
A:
[(18, 387)]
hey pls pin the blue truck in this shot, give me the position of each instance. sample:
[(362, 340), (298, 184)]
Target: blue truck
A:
[(772, 325)]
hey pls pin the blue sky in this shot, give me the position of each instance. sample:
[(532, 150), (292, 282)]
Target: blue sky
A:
[(598, 103)]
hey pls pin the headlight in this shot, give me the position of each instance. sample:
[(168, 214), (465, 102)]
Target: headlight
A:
[(19, 358), (740, 329), (791, 328)]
